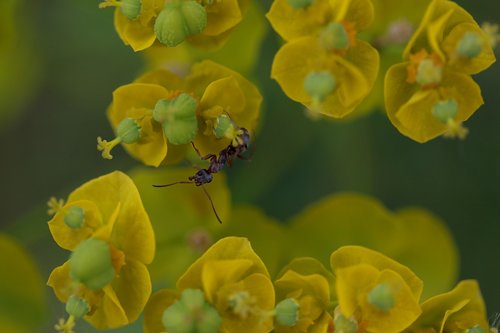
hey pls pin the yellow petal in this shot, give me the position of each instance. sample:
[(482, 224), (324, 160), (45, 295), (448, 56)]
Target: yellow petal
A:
[(157, 304), (222, 16), (132, 288), (218, 273), (306, 22), (462, 304), (225, 249), (60, 281), (358, 12), (465, 65), (233, 100), (133, 32), (132, 232), (355, 255), (68, 238), (167, 79), (261, 290), (137, 100), (109, 313)]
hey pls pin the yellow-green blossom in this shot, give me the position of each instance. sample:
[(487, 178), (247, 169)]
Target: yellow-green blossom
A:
[(112, 223), (374, 291), (458, 310), (307, 284), (432, 93), (150, 101), (324, 66), (234, 282)]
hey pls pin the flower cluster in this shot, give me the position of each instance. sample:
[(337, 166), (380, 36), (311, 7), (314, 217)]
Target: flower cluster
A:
[(105, 226), (161, 112), (432, 92), (324, 65), (228, 289), (204, 23)]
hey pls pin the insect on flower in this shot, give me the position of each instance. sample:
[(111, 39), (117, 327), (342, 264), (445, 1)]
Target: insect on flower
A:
[(239, 145)]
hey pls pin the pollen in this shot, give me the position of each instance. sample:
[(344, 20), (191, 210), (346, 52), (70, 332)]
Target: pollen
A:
[(242, 304)]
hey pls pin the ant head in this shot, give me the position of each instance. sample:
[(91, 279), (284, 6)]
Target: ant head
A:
[(245, 136)]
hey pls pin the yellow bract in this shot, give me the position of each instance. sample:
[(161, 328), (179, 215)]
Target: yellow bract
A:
[(240, 101), (322, 39), (458, 47), (113, 212), (358, 271), (457, 310)]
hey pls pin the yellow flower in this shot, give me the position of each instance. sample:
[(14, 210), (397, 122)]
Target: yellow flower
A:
[(432, 93), (234, 282), (374, 291), (458, 310), (144, 113), (241, 102), (105, 225), (411, 236), (324, 66), (307, 284)]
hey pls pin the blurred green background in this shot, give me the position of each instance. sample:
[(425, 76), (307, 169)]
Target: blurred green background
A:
[(68, 59)]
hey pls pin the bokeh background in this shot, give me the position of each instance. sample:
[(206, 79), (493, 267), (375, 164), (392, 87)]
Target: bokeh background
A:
[(62, 60)]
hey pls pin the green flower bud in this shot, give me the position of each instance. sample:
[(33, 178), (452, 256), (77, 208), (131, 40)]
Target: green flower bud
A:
[(90, 264), (428, 73), (287, 312), (334, 37), (128, 131), (382, 297), (345, 325), (475, 329), (299, 4), (191, 314), (223, 125), (77, 307), (470, 45), (178, 118), (445, 110), (179, 20), (131, 8), (319, 85), (74, 217)]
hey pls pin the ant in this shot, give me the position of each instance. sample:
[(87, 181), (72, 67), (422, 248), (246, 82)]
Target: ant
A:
[(226, 156)]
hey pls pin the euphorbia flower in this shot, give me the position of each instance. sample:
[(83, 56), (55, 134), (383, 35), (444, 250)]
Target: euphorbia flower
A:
[(106, 227), (459, 310), (374, 291), (232, 280), (432, 93), (324, 66)]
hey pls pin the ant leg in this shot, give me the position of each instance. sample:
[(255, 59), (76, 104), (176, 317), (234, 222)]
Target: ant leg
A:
[(212, 203), (206, 157)]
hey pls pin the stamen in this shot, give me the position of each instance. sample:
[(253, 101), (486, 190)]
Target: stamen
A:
[(242, 304), (65, 326), (106, 146), (455, 130), (492, 30), (54, 205)]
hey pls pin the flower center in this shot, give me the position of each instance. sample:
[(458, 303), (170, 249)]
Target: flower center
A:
[(242, 304), (425, 69)]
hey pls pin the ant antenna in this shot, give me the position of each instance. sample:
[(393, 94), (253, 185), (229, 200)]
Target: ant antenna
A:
[(494, 322), (166, 185), (212, 203)]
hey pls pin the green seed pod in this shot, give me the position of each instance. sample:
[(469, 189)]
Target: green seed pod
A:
[(178, 118), (90, 264), (77, 307), (179, 20), (334, 37), (382, 297), (445, 110), (299, 4), (74, 217), (475, 329), (428, 73), (223, 125), (129, 131), (191, 314), (470, 45), (287, 312), (131, 8), (345, 325), (319, 85)]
